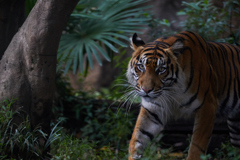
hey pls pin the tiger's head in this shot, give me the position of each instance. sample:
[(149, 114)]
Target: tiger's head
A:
[(154, 67)]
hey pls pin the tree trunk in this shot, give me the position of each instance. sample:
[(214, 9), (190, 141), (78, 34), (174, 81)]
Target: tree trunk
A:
[(12, 15), (28, 66)]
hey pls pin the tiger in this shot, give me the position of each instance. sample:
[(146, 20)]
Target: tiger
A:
[(183, 76)]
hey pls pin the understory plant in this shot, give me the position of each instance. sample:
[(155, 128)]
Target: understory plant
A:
[(19, 140)]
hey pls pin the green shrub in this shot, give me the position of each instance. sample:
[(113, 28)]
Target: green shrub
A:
[(227, 151), (106, 126), (19, 141), (211, 22)]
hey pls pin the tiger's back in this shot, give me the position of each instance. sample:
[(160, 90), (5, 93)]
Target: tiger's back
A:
[(183, 76)]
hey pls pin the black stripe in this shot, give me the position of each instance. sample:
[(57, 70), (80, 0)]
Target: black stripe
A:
[(154, 115), (233, 60), (210, 74), (163, 46), (171, 79), (168, 61), (137, 87), (233, 132), (177, 70), (154, 50), (237, 119), (224, 50), (161, 43), (138, 57), (179, 38), (166, 73), (224, 66), (202, 150), (234, 129), (151, 44), (225, 53), (191, 71), (139, 141), (237, 50), (188, 37), (149, 54), (216, 50), (159, 55), (210, 50), (236, 145), (235, 97), (171, 67), (198, 40), (210, 53), (133, 63), (238, 80), (148, 49), (150, 135), (161, 50), (237, 53), (193, 98), (235, 139), (205, 95), (225, 101)]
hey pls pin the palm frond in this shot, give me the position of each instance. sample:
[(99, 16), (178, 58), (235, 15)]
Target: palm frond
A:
[(97, 27)]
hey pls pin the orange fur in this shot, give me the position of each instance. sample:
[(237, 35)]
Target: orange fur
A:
[(183, 75)]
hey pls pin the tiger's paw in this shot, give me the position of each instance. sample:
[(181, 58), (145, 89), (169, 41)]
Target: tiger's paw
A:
[(134, 156), (134, 153)]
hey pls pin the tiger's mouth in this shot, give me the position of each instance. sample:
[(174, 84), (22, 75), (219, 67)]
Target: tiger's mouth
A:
[(146, 96), (151, 95)]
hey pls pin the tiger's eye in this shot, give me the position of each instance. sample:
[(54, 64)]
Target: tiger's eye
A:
[(141, 67), (161, 69)]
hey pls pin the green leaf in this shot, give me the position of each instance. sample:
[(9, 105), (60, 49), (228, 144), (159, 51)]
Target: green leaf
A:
[(80, 56), (181, 13), (117, 35), (89, 55), (75, 60), (95, 53), (85, 15), (69, 62), (116, 41), (100, 49), (109, 45)]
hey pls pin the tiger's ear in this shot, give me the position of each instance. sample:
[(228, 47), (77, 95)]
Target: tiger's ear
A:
[(177, 47), (136, 42)]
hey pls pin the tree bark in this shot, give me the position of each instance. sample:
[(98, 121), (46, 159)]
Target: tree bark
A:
[(28, 66), (12, 16)]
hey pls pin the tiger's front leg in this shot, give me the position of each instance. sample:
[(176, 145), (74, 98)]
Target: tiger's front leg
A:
[(148, 125), (203, 126)]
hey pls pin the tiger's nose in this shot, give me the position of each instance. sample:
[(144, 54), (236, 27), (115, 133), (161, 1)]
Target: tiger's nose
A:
[(147, 90)]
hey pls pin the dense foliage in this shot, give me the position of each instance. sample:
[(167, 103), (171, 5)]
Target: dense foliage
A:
[(98, 28), (19, 140), (211, 22)]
